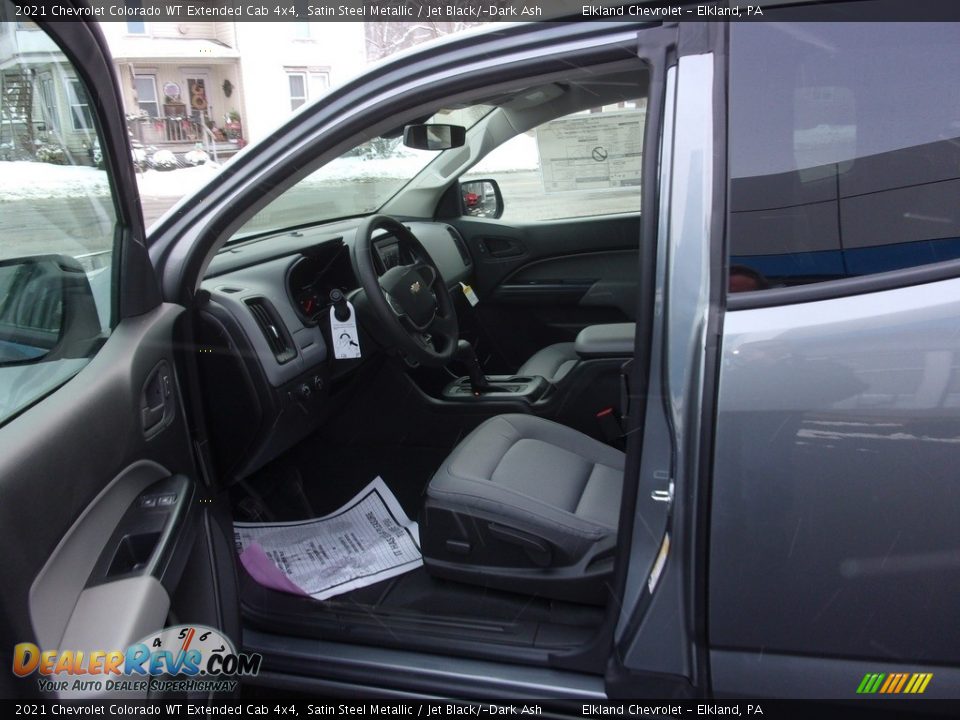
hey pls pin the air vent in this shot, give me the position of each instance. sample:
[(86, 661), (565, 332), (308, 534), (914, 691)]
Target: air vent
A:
[(277, 337), (461, 246)]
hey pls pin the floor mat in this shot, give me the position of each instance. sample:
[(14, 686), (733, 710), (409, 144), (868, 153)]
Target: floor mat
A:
[(331, 475)]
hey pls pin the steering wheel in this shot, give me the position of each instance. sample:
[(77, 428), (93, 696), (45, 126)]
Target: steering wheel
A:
[(411, 301)]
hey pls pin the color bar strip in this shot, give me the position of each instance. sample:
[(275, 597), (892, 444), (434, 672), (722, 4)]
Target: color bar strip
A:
[(903, 681), (886, 686)]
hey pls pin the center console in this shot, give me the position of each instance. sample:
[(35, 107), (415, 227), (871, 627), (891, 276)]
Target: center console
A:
[(478, 386), (499, 387), (593, 343), (590, 396)]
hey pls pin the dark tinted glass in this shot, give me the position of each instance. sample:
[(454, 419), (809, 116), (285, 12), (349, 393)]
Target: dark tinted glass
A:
[(844, 150)]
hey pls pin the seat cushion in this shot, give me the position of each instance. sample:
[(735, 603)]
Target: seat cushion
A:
[(536, 476), (552, 362)]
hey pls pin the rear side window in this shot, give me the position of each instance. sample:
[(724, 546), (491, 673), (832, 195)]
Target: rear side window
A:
[(844, 150)]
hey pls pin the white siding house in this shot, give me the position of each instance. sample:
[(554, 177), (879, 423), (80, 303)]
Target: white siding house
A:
[(180, 81), (285, 65)]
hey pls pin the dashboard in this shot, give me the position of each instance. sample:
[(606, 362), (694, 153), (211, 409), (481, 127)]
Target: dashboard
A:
[(264, 331), (314, 275)]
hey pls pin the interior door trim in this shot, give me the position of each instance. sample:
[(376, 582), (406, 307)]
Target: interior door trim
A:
[(57, 588)]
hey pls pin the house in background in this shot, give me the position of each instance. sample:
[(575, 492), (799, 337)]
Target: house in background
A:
[(44, 111), (224, 84), (286, 65), (219, 84), (180, 82)]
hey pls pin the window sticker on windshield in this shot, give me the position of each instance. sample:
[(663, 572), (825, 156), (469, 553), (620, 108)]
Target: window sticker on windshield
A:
[(592, 152)]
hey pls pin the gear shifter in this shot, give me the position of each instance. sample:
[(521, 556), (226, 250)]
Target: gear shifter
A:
[(478, 381)]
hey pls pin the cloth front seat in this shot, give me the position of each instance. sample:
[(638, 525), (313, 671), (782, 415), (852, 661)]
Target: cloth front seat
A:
[(528, 505), (552, 362)]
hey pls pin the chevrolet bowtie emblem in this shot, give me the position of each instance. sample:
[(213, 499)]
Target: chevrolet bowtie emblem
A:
[(415, 288)]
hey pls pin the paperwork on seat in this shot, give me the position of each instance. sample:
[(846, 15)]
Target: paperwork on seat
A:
[(367, 540)]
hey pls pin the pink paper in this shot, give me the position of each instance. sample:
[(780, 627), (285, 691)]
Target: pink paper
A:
[(264, 571)]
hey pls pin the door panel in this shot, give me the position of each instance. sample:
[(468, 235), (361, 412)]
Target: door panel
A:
[(100, 513), (834, 526), (541, 283), (834, 492), (72, 568), (64, 500)]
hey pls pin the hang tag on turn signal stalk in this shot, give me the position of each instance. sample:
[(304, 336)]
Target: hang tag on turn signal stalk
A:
[(343, 334), (470, 294)]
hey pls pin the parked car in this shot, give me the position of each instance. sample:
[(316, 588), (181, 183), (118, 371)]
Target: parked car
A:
[(677, 414)]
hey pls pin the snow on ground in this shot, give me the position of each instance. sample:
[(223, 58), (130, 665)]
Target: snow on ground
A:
[(175, 183), (26, 180), (181, 182), (516, 155), (401, 165)]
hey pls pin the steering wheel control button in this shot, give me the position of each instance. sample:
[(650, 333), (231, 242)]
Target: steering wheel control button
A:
[(149, 501), (166, 500), (343, 333)]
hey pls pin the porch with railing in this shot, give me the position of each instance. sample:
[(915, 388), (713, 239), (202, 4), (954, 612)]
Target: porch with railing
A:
[(180, 133)]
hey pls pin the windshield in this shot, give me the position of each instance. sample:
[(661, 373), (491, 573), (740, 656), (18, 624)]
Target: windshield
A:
[(358, 182)]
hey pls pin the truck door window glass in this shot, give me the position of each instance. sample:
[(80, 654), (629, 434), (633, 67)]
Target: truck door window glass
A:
[(844, 150)]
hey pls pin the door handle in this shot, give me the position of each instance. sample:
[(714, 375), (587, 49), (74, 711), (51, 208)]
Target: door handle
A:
[(152, 417), (156, 400), (501, 247)]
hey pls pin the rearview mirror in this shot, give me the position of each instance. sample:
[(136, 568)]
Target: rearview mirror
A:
[(481, 198), (434, 137), (47, 310)]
